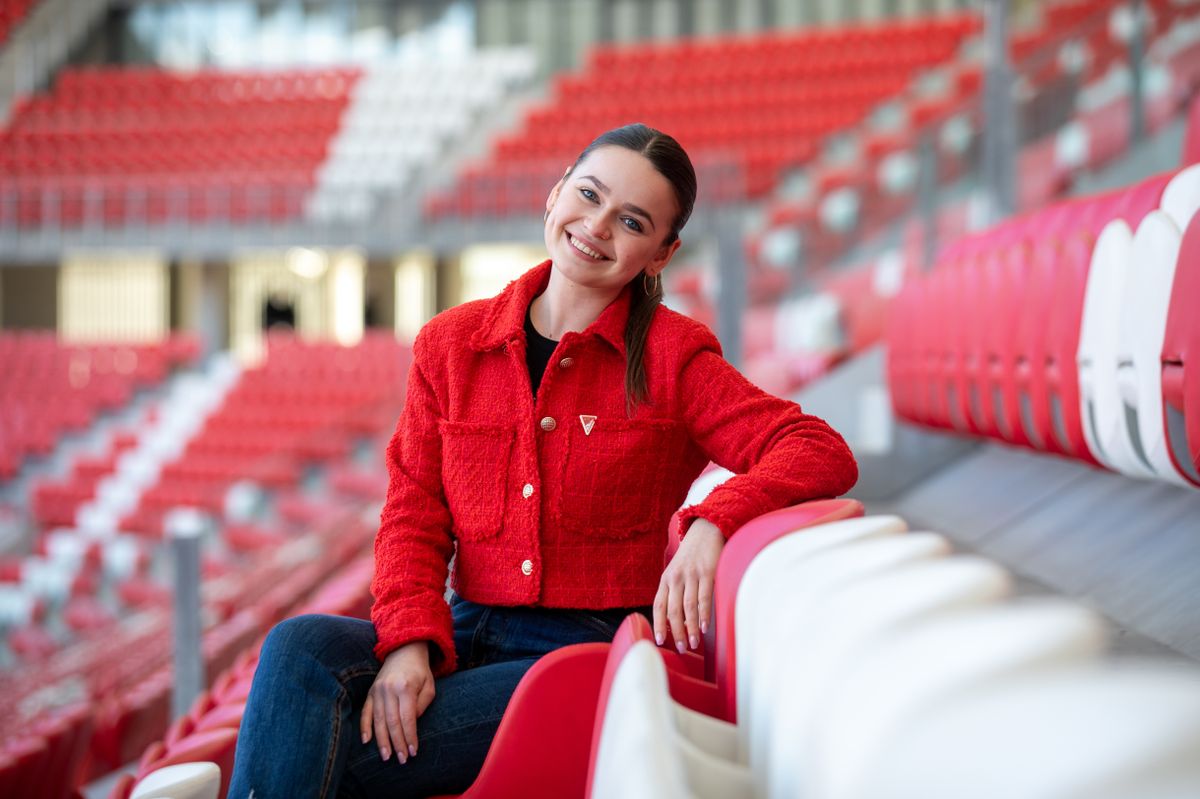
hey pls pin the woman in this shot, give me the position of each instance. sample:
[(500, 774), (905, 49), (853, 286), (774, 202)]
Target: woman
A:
[(547, 437)]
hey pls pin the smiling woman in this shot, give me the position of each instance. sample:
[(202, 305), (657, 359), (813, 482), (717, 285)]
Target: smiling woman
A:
[(548, 436)]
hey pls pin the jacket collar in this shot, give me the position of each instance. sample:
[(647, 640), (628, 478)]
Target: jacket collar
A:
[(504, 321)]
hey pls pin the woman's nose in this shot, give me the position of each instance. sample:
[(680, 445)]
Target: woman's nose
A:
[(597, 225)]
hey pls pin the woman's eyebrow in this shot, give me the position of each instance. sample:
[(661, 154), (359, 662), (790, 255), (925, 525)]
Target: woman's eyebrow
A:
[(627, 206)]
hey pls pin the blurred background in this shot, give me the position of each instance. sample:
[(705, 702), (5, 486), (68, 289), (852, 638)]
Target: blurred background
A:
[(222, 223)]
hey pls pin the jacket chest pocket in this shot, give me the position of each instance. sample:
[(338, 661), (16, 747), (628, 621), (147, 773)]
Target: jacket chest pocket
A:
[(475, 460), (616, 479)]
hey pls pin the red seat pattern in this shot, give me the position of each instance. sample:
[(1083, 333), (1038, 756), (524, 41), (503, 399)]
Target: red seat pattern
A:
[(986, 344), (12, 13), (117, 146), (1045, 167), (745, 107), (49, 388)]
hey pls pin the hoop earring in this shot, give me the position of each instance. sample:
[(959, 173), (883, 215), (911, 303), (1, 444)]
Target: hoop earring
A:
[(646, 284)]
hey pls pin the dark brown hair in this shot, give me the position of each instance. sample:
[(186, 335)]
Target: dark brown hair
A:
[(672, 162)]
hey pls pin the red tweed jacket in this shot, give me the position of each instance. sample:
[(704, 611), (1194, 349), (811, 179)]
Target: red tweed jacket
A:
[(565, 502)]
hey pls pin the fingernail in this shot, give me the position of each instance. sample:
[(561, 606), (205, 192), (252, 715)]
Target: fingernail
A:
[(385, 753), (679, 646), (658, 638), (366, 737), (412, 750), (694, 641), (400, 756), (703, 628)]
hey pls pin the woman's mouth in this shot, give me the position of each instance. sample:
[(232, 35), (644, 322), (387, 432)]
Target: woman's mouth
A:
[(583, 248)]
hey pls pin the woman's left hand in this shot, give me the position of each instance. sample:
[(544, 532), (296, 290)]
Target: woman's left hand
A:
[(684, 599)]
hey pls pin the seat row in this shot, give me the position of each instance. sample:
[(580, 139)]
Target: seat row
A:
[(50, 389), (1068, 330), (687, 88), (849, 657), (97, 703), (848, 199)]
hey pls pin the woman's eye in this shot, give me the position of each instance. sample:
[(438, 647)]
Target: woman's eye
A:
[(588, 194), (632, 224)]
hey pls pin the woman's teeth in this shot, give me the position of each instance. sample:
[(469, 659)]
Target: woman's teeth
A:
[(583, 248)]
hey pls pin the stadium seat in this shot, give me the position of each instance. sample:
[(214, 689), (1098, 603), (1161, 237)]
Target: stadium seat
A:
[(1181, 359), (530, 757), (736, 559), (214, 746), (829, 638), (1110, 276), (197, 780), (1051, 734), (786, 610), (931, 662), (637, 752)]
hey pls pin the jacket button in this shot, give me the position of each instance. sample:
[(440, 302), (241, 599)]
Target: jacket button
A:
[(567, 363), (527, 491), (549, 424), (527, 567)]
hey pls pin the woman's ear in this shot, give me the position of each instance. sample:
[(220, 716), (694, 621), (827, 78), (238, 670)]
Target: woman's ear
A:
[(662, 258), (554, 192)]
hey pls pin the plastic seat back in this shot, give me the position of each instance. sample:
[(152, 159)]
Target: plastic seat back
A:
[(1100, 732), (930, 662), (739, 552), (846, 626), (789, 609), (633, 754), (766, 568), (1180, 360), (1101, 408)]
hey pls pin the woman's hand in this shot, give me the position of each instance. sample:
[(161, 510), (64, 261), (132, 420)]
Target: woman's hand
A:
[(684, 599), (402, 690)]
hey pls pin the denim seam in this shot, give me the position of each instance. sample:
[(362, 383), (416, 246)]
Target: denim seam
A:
[(343, 698), (477, 638)]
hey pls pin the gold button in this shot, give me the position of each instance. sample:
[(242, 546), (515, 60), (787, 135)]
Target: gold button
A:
[(567, 363), (527, 491), (527, 567), (549, 424)]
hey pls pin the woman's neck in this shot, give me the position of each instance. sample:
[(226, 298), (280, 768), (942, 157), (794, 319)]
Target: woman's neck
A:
[(567, 307)]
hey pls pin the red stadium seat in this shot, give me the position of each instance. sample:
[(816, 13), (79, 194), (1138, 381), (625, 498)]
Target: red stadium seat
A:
[(1181, 360)]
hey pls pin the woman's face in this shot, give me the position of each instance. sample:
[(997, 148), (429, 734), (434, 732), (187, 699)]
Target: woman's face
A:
[(607, 220)]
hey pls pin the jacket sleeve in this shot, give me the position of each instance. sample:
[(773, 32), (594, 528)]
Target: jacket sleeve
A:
[(779, 455), (413, 546)]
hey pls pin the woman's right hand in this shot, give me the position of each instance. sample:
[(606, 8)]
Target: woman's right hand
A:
[(402, 690)]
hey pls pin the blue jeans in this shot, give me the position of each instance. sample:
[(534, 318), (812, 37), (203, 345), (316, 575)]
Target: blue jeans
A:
[(300, 733)]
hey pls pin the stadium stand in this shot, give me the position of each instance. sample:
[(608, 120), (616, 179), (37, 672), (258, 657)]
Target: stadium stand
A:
[(845, 204), (240, 147), (969, 349), (93, 595), (846, 661), (401, 117), (50, 388), (746, 107)]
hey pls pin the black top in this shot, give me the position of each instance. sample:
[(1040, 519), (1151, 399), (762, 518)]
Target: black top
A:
[(538, 350)]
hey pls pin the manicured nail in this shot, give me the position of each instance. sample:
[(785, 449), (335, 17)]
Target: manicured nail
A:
[(400, 756), (412, 750), (658, 638), (679, 646), (384, 752), (704, 628), (366, 737), (694, 641)]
